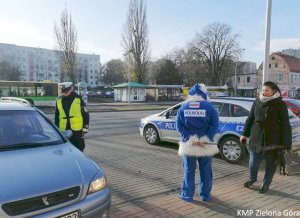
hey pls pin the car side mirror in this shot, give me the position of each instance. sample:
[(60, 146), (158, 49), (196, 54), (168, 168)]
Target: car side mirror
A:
[(168, 115), (68, 133)]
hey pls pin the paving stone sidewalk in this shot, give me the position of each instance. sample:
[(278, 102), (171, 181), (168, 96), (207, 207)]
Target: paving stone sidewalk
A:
[(230, 199), (145, 180)]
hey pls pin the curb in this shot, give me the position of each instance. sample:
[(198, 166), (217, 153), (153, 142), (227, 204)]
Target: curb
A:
[(113, 109)]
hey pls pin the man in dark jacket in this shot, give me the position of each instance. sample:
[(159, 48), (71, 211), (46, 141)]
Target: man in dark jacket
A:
[(71, 114), (269, 130)]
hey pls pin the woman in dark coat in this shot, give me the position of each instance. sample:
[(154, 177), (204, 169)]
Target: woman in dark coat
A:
[(269, 129)]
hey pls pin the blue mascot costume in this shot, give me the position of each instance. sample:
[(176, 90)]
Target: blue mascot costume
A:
[(198, 122)]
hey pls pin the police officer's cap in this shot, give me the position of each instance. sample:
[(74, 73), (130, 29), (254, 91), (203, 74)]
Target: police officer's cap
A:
[(65, 86)]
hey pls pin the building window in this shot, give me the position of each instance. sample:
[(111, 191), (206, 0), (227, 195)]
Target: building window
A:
[(276, 65), (239, 79), (248, 79), (273, 58), (280, 77), (269, 65), (283, 66)]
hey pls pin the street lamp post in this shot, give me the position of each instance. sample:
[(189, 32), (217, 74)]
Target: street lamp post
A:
[(267, 41), (129, 79), (38, 63), (235, 79), (129, 75), (235, 76)]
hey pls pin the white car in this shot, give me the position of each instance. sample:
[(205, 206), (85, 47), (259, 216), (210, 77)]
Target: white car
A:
[(232, 115)]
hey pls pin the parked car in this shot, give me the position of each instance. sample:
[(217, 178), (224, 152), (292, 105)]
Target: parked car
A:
[(109, 94), (232, 116), (42, 173), (293, 105), (91, 93)]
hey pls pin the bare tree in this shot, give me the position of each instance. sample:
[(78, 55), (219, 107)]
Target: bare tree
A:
[(213, 48), (66, 46), (190, 68), (168, 73), (9, 72), (153, 69), (113, 72), (135, 39)]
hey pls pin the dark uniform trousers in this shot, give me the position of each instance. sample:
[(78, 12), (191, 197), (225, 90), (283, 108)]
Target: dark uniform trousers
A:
[(77, 140)]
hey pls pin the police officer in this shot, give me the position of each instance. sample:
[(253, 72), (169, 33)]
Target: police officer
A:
[(71, 114)]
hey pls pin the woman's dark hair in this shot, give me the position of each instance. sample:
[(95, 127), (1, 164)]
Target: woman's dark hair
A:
[(273, 86)]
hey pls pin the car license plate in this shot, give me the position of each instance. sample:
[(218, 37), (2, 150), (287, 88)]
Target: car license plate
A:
[(70, 215)]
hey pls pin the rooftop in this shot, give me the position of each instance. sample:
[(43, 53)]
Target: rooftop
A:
[(293, 62)]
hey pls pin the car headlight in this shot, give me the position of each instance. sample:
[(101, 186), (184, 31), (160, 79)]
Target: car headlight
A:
[(97, 184)]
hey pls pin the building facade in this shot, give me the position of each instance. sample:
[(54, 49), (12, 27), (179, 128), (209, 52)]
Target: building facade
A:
[(246, 74), (39, 64), (284, 70), (247, 80)]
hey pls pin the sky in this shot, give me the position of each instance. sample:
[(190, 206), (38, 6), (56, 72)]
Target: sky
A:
[(172, 24)]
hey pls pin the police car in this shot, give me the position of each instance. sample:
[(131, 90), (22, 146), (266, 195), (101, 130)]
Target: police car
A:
[(233, 113)]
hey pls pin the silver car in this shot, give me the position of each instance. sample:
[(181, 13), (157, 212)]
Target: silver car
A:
[(42, 173)]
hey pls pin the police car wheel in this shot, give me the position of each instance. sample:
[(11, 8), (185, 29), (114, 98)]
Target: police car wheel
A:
[(232, 150), (151, 135)]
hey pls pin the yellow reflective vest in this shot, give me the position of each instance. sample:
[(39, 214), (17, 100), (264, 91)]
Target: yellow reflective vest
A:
[(76, 119)]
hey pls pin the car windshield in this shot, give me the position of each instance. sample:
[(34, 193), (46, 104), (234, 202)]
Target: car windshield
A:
[(24, 129)]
